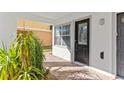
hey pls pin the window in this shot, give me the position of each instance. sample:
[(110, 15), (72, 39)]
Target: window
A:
[(62, 35), (57, 36), (82, 34)]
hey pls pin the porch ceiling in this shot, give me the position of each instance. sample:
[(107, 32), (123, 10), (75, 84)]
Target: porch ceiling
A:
[(51, 15), (44, 17)]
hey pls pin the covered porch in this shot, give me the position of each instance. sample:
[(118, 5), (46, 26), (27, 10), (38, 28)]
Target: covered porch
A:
[(61, 69), (101, 54)]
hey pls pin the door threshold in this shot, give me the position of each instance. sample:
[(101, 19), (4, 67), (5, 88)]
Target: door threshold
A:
[(79, 63), (119, 78)]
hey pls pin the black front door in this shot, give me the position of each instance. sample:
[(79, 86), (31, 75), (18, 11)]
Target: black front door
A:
[(82, 41)]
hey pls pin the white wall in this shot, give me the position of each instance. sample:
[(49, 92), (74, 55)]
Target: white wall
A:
[(62, 52), (7, 28), (100, 38), (8, 25)]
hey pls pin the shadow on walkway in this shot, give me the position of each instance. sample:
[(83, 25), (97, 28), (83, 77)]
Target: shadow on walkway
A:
[(64, 70)]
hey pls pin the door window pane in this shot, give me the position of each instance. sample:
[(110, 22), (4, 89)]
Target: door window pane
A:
[(82, 34)]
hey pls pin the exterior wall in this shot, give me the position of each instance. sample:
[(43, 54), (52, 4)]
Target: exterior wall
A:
[(8, 25), (45, 37), (100, 39), (7, 28), (32, 24), (41, 30), (61, 52)]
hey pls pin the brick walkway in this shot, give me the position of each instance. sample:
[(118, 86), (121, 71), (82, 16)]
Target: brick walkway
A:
[(65, 70)]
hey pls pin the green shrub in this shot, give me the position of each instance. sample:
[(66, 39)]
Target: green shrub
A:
[(23, 60)]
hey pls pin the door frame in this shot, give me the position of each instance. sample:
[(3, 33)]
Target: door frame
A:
[(117, 44), (81, 20)]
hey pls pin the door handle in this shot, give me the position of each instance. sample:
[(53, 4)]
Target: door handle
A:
[(76, 46)]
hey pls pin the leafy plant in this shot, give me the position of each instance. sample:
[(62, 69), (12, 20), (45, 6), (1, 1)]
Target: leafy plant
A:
[(23, 60), (30, 49), (29, 73), (8, 65)]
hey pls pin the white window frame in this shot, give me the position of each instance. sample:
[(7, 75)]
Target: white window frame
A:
[(61, 25)]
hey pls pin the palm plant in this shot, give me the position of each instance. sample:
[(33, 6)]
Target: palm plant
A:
[(23, 60), (30, 73), (8, 64), (30, 49)]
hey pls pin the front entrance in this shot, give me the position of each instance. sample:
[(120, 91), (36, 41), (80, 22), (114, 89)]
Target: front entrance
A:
[(82, 41), (120, 44)]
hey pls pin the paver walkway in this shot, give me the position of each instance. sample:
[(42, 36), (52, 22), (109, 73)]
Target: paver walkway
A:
[(65, 70)]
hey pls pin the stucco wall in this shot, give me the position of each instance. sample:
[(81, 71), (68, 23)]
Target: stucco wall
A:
[(32, 24), (7, 28), (44, 37), (8, 25), (100, 38)]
